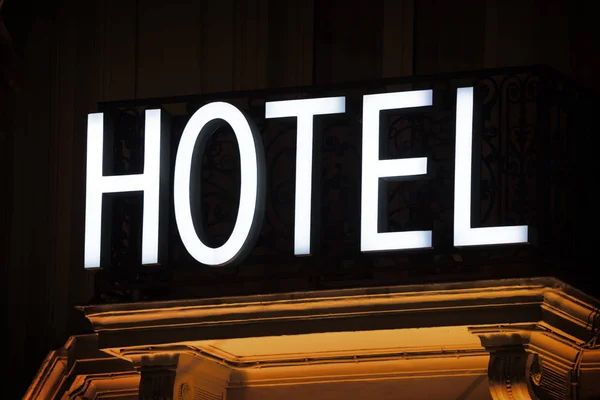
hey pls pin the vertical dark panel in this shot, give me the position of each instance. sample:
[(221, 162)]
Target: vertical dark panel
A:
[(426, 31), (24, 235), (290, 41), (62, 132), (398, 37), (7, 138), (217, 45), (533, 32), (168, 48), (462, 38), (32, 268), (528, 32), (450, 36), (251, 44), (348, 40), (516, 24), (120, 59), (584, 46), (8, 88), (551, 33), (490, 57)]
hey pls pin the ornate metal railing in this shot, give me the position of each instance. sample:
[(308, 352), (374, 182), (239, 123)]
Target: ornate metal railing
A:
[(534, 128)]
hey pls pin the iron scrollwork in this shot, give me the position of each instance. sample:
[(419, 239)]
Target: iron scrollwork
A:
[(523, 127)]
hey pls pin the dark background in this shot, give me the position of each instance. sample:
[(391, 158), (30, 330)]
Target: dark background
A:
[(59, 59)]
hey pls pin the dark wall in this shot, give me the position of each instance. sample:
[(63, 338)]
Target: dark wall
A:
[(61, 58)]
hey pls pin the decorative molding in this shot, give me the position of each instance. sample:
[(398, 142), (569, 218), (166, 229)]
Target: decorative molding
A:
[(172, 373), (546, 303), (50, 375), (525, 324), (533, 338), (79, 370), (90, 387), (510, 374), (526, 363)]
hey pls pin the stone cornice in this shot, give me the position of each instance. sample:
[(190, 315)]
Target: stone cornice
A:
[(531, 337), (78, 367), (545, 303), (50, 375)]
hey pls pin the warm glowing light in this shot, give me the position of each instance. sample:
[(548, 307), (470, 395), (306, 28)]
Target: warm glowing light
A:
[(464, 234), (200, 126), (97, 184), (374, 169), (304, 110)]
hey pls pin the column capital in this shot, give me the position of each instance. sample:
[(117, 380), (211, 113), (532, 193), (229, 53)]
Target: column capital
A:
[(528, 363), (177, 372), (513, 373)]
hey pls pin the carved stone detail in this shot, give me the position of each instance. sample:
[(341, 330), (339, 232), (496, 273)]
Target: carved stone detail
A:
[(184, 392), (175, 372), (512, 373), (554, 381), (529, 363), (156, 384)]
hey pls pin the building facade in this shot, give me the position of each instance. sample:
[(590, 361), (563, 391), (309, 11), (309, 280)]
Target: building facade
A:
[(505, 321)]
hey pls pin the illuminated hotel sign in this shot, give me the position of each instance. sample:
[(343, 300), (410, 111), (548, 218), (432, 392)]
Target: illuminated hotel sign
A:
[(208, 118)]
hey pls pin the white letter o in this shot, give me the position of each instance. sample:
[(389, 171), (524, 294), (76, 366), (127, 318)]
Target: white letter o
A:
[(201, 126)]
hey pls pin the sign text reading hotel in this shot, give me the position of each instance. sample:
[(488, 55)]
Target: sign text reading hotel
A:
[(202, 125)]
